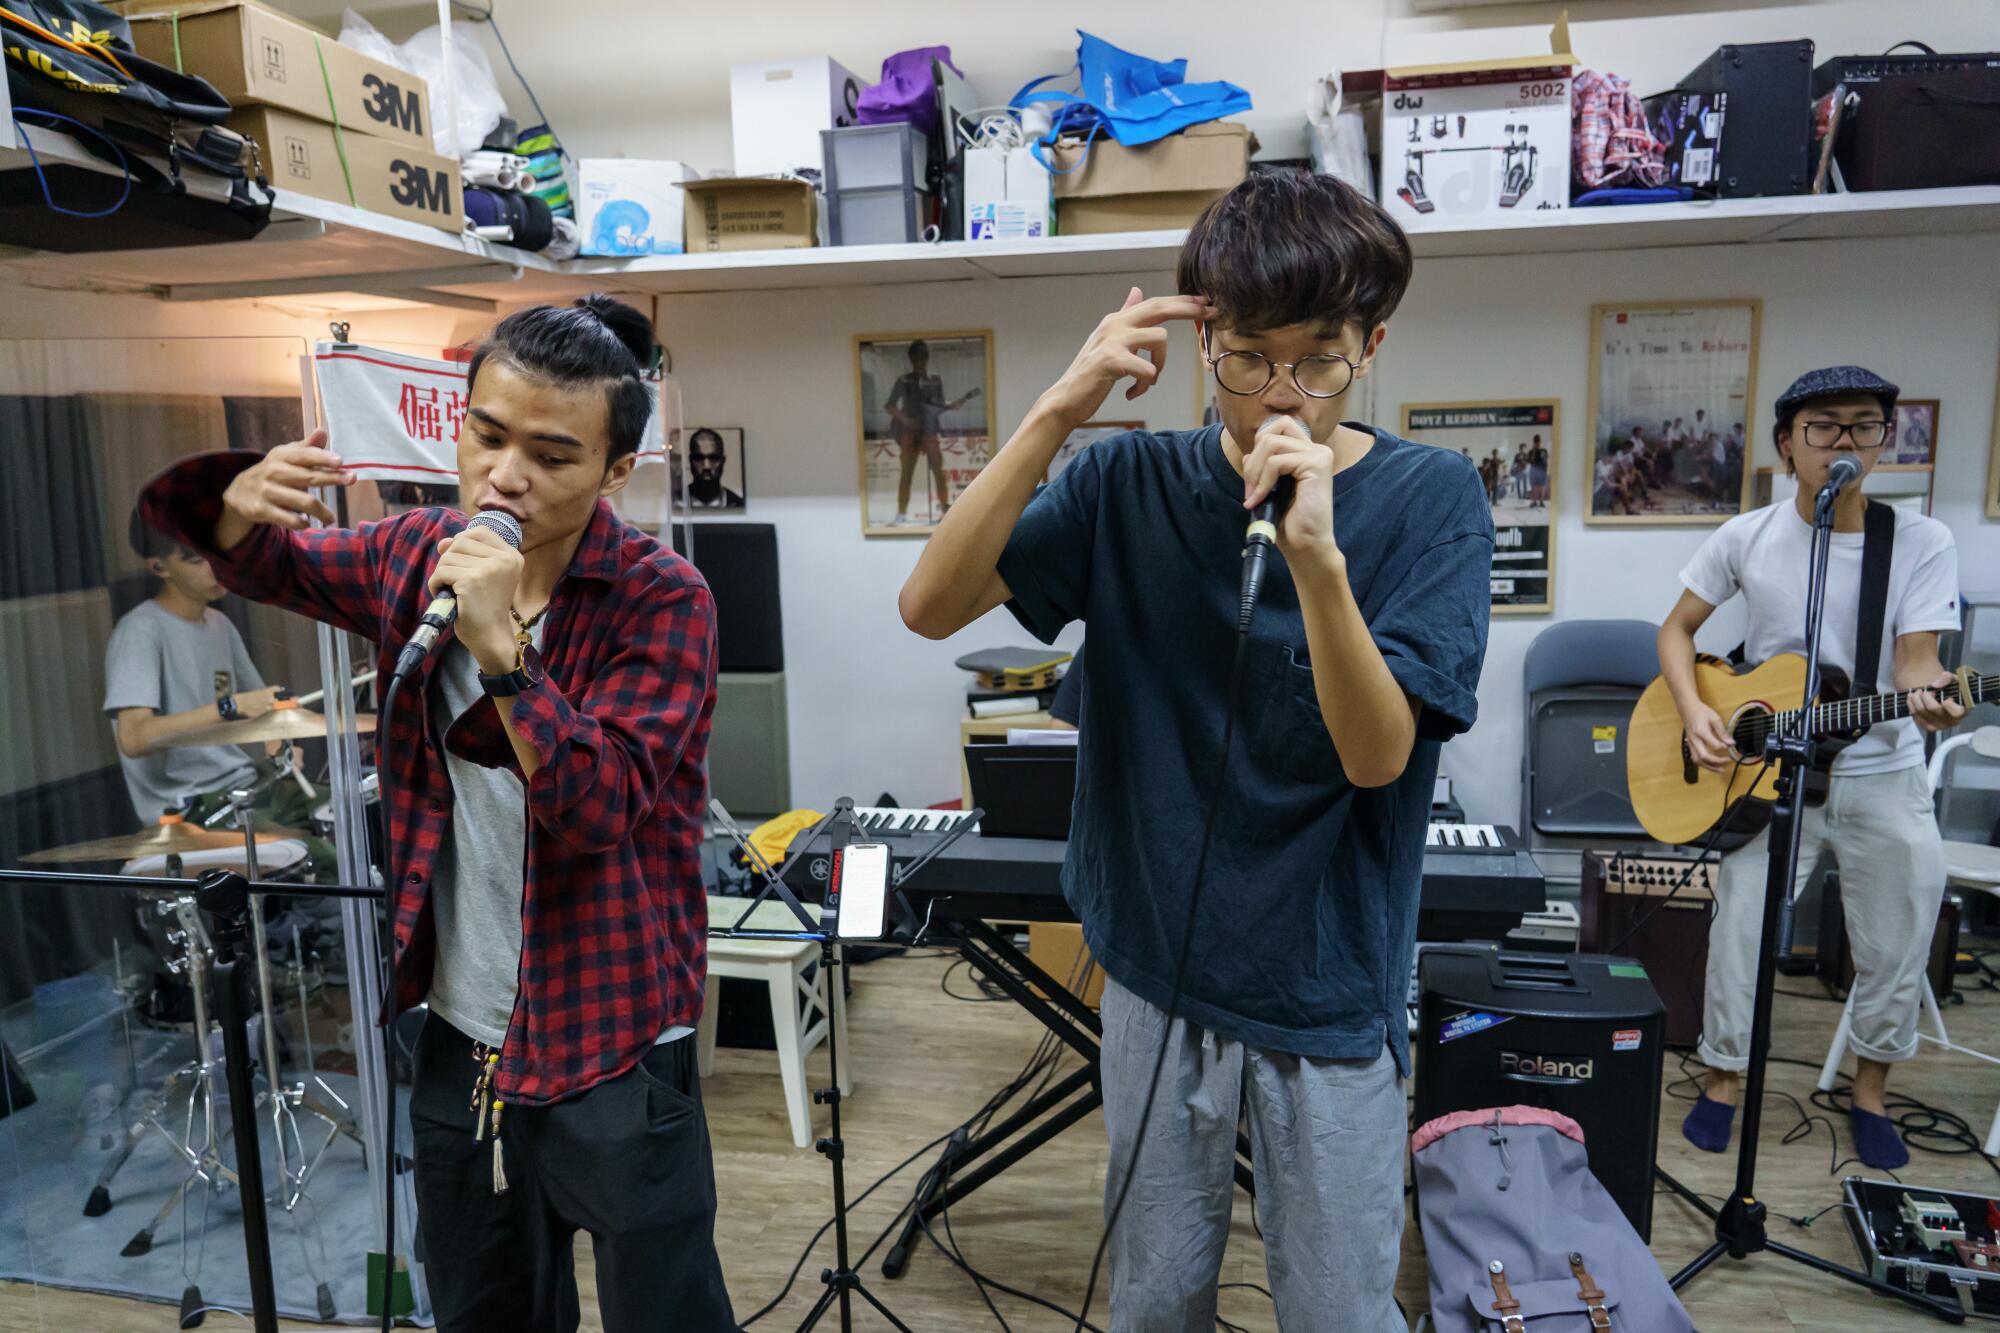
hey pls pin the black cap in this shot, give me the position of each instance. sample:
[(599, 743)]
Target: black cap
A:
[(1832, 382)]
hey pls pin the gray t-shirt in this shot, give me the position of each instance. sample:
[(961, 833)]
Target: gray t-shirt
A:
[(159, 661), (477, 883)]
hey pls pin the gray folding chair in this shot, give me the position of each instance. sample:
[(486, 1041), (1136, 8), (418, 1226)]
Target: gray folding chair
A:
[(1580, 680)]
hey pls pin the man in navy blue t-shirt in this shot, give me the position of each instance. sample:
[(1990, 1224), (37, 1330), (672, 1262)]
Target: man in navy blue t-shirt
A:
[(1361, 659)]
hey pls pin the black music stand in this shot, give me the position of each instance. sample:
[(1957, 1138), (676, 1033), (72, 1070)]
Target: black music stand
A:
[(1739, 1223), (843, 1281)]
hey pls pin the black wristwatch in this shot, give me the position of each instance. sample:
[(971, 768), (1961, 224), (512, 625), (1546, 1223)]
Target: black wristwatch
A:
[(527, 674), (226, 706)]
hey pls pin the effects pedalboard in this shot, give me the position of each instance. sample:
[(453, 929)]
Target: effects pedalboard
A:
[(1941, 1243)]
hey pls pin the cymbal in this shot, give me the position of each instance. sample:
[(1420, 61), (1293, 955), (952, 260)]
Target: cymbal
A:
[(164, 839), (286, 722)]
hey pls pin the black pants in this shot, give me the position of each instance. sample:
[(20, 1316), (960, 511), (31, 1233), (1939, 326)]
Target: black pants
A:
[(627, 1161)]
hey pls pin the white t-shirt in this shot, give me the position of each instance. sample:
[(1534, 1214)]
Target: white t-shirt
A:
[(1766, 554)]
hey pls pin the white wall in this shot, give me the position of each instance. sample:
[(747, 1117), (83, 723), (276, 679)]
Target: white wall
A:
[(874, 707)]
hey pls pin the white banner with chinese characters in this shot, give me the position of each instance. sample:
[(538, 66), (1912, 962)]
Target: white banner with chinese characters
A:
[(396, 417)]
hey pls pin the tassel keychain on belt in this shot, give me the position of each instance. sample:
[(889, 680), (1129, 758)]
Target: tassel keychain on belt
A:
[(486, 1110)]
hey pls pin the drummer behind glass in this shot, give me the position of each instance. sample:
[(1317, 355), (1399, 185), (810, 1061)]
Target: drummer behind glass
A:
[(175, 664)]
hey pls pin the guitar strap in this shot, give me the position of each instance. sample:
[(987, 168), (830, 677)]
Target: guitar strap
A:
[(1878, 545)]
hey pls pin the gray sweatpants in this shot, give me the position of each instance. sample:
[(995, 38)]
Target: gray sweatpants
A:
[(1883, 834), (1327, 1137)]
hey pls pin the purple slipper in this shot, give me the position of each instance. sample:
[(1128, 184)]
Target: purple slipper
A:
[(1876, 1141), (1707, 1125)]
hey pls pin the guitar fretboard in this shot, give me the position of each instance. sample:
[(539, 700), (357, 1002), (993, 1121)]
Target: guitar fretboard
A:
[(1841, 715)]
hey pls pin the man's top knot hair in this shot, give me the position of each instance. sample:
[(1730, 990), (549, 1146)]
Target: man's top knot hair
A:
[(568, 345)]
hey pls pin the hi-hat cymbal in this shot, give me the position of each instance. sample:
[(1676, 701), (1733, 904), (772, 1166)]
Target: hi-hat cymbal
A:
[(164, 839), (282, 723)]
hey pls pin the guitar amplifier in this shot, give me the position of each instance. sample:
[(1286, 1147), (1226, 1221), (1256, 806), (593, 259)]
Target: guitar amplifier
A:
[(1834, 961), (1575, 1033), (1626, 909), (1916, 121), (1767, 137)]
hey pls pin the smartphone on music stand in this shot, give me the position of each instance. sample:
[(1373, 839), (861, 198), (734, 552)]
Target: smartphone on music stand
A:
[(857, 894)]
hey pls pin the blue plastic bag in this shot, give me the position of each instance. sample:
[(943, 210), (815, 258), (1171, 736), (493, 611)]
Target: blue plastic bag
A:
[(1131, 98)]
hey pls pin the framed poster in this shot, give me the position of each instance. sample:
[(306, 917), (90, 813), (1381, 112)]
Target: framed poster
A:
[(1089, 433), (924, 418), (717, 477), (1671, 388), (1514, 444), (1912, 436)]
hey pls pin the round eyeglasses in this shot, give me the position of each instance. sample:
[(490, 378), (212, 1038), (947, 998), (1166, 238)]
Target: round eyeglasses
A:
[(1246, 373)]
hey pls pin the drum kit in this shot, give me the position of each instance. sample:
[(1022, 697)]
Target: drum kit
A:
[(183, 1111)]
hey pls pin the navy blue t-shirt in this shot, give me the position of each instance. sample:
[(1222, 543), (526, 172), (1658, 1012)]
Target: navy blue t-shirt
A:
[(1308, 919)]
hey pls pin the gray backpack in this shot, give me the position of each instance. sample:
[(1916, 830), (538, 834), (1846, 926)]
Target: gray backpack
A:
[(1523, 1239)]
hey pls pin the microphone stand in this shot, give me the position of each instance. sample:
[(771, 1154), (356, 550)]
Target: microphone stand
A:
[(1739, 1224), (224, 896), (843, 1281)]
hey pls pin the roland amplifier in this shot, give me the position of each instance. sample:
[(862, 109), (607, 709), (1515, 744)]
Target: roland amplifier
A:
[(1582, 1034)]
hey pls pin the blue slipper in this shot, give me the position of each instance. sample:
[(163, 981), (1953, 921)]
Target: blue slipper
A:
[(1876, 1141), (1707, 1126)]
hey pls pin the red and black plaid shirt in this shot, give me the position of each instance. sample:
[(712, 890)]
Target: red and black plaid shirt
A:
[(614, 921)]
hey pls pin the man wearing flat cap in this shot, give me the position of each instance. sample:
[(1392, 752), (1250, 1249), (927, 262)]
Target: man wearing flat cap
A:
[(1877, 818)]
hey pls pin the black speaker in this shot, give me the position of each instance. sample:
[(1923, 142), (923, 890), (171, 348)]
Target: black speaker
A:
[(740, 562), (1767, 137), (1582, 1034)]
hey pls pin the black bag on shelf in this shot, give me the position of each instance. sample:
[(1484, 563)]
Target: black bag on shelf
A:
[(71, 69)]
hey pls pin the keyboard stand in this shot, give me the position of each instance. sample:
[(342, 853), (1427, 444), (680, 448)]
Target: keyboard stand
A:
[(1046, 1115)]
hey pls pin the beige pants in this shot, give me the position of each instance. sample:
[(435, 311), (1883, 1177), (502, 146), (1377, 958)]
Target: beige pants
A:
[(1883, 835)]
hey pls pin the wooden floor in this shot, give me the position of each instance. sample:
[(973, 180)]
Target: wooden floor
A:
[(924, 1061)]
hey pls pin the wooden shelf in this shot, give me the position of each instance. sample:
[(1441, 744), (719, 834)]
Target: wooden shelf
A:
[(313, 246)]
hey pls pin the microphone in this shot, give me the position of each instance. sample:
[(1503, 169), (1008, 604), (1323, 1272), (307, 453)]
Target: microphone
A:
[(1260, 537), (1846, 469), (444, 607)]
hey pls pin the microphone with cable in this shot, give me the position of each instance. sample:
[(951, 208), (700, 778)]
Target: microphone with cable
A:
[(1260, 537), (444, 607), (1846, 469)]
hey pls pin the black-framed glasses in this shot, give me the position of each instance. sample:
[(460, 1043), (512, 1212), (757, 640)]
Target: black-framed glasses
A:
[(1828, 434), (1246, 373)]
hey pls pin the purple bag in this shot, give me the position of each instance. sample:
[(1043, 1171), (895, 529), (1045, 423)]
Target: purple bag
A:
[(908, 90)]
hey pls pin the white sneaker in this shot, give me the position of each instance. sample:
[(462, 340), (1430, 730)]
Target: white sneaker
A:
[(901, 521)]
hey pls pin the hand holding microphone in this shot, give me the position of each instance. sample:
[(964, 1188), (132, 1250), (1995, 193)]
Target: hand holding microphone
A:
[(1288, 489), (474, 581)]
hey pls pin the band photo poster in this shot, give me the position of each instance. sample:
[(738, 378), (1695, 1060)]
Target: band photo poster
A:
[(1514, 445), (1671, 386), (924, 418)]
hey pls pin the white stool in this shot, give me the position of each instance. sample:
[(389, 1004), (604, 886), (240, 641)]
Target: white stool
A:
[(1968, 866), (799, 1008)]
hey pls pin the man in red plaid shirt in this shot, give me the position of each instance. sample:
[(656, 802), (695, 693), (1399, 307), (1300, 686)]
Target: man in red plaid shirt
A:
[(546, 784)]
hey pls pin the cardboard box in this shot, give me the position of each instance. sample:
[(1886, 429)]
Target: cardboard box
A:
[(734, 213), (1158, 185), (301, 153), (1008, 195), (255, 56), (630, 207), (778, 108), (1479, 139), (1690, 125)]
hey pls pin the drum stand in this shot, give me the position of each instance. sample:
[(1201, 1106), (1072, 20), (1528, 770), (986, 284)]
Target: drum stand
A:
[(296, 1164)]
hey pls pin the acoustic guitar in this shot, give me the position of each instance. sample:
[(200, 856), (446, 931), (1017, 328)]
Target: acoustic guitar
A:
[(1678, 801)]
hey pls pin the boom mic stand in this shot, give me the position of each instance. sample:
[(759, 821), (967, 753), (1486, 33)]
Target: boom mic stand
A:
[(224, 896), (843, 1281), (1739, 1224)]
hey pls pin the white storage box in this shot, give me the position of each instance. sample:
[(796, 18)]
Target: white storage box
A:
[(1007, 195), (625, 206), (778, 108)]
